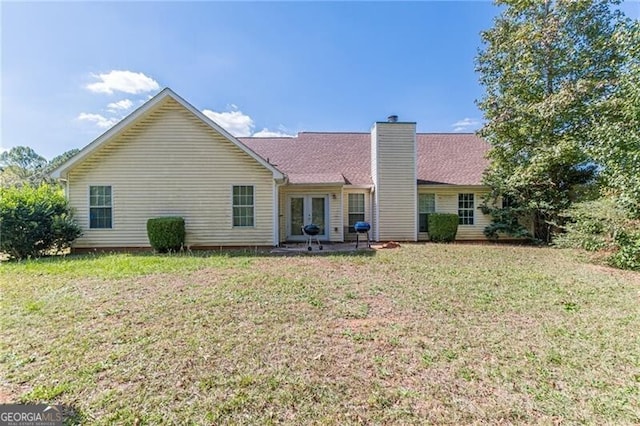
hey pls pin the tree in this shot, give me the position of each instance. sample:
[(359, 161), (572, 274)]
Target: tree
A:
[(612, 222), (21, 165), (546, 67), (58, 160), (616, 134), (35, 221)]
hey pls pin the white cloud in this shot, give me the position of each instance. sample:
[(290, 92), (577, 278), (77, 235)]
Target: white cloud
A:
[(235, 122), (99, 120), (241, 125), (122, 105), (123, 81), (466, 125), (266, 133)]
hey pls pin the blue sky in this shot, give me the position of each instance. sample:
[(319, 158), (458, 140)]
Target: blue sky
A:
[(71, 70)]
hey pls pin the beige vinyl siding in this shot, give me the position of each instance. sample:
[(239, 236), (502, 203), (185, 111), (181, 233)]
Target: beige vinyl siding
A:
[(335, 208), (447, 202), (345, 209), (170, 163), (394, 152)]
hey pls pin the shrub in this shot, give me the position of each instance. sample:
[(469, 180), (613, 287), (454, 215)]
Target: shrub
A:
[(592, 225), (603, 224), (506, 221), (35, 221), (166, 233), (628, 254), (443, 227)]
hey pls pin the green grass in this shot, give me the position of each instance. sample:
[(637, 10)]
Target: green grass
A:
[(447, 334)]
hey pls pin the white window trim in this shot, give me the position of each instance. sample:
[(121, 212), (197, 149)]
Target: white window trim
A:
[(254, 207), (471, 209), (89, 207), (364, 206)]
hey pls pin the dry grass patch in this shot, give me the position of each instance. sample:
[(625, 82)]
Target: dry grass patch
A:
[(445, 334)]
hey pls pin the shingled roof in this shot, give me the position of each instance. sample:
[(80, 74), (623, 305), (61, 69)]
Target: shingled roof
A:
[(339, 158)]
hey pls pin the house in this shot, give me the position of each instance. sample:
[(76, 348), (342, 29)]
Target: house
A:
[(169, 159)]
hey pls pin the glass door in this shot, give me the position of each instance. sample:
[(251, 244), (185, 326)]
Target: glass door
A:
[(304, 210), (296, 214), (318, 214)]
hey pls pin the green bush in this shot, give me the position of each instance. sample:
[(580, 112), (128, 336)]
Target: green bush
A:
[(603, 225), (166, 233), (628, 254), (35, 221), (505, 221), (592, 225), (443, 227)]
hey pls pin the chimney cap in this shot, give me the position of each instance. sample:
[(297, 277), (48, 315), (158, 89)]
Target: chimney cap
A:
[(392, 118)]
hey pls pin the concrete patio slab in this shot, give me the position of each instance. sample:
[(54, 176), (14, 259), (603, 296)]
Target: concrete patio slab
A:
[(291, 248)]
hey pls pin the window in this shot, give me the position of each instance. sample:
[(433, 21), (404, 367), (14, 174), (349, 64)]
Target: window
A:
[(426, 205), (356, 210), (465, 209), (243, 214), (100, 211)]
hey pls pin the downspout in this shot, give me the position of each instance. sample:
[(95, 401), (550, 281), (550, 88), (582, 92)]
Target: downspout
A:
[(374, 216), (276, 210), (341, 229), (415, 186)]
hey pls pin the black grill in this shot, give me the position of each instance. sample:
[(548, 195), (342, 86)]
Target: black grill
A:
[(312, 230)]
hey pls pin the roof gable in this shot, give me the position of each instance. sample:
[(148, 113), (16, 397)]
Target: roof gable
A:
[(135, 116)]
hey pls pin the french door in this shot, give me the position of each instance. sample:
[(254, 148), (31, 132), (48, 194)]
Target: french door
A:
[(304, 210)]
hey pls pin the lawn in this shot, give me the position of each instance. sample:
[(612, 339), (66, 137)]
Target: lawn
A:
[(445, 334)]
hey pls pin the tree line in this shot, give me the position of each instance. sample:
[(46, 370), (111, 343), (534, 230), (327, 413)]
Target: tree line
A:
[(21, 166), (562, 111)]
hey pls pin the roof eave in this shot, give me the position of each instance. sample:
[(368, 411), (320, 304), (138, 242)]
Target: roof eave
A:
[(316, 183)]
